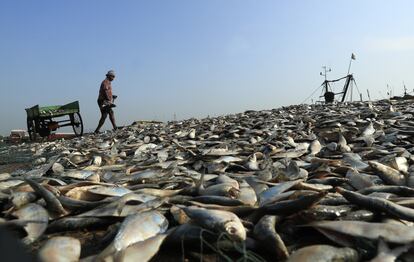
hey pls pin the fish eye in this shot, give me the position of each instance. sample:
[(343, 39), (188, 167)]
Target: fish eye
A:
[(232, 230)]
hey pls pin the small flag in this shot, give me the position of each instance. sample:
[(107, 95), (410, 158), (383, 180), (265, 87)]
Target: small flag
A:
[(353, 56)]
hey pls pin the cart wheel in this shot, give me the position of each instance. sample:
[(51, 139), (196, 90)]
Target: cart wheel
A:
[(77, 124), (31, 129)]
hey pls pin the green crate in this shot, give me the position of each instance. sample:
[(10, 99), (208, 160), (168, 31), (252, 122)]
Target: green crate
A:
[(52, 111)]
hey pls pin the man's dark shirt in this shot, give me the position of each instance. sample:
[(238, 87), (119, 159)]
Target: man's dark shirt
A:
[(105, 91)]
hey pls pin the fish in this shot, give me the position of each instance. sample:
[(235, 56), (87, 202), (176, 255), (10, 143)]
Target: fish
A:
[(218, 221), (97, 161), (218, 200), (258, 185), (361, 180), (378, 204), (7, 184), (39, 216), (219, 152), (238, 210), (78, 223), (355, 161), (293, 153), (19, 199), (79, 205), (385, 254), (343, 144), (266, 233), (52, 202), (359, 215), (143, 250), (60, 249), (247, 194), (294, 172), (325, 212), (136, 228), (315, 147), (369, 130), (324, 253), (273, 192), (252, 163), (223, 179), (189, 235), (157, 192), (82, 193), (228, 159), (400, 190), (288, 207), (122, 208), (58, 168), (388, 174), (313, 187), (332, 181), (81, 175), (4, 176), (179, 215), (392, 233), (146, 175), (109, 191), (398, 163), (226, 190)]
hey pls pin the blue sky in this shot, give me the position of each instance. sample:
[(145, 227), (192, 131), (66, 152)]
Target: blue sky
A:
[(195, 58)]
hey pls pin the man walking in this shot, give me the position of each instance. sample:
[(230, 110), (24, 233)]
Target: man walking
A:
[(106, 101)]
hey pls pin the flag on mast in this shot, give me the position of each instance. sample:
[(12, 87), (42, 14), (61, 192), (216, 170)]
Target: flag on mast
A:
[(353, 56)]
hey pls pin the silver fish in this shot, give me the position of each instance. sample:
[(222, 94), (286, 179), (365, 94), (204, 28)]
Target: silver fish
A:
[(143, 250), (20, 199), (60, 249), (33, 212), (324, 253), (218, 221), (136, 228), (393, 233), (388, 174)]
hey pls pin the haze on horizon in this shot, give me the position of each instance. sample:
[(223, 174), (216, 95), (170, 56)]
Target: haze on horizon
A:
[(195, 58)]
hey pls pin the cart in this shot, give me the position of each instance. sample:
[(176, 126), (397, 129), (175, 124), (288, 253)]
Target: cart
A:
[(40, 120)]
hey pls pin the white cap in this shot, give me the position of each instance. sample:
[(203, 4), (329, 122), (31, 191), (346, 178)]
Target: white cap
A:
[(110, 73)]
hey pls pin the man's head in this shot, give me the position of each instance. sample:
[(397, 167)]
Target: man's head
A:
[(110, 75)]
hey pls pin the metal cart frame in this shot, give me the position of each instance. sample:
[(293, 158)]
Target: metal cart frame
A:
[(40, 119)]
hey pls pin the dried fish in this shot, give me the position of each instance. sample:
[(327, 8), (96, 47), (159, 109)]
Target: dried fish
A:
[(376, 203), (388, 174), (60, 249), (39, 217), (53, 203), (218, 221), (288, 207), (134, 229), (393, 233), (265, 232), (324, 253), (238, 187), (143, 250)]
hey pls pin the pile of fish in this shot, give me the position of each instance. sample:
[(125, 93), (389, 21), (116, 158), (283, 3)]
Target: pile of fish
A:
[(298, 183)]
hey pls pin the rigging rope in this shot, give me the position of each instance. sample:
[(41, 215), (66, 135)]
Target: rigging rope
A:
[(311, 94)]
